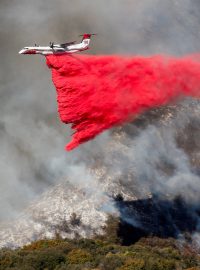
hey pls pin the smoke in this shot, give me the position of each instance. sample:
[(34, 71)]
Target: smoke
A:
[(32, 157), (156, 161), (158, 150), (167, 170)]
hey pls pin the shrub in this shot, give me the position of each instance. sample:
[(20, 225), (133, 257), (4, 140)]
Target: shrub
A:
[(79, 256), (111, 262), (133, 263), (87, 254), (42, 244), (44, 259), (160, 264), (9, 258)]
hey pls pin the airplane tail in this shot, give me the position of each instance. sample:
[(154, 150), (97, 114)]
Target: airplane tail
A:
[(87, 36)]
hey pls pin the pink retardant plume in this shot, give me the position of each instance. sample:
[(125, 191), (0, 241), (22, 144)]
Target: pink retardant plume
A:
[(95, 93)]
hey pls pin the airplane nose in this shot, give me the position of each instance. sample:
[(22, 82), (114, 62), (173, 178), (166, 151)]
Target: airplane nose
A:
[(27, 51), (21, 51)]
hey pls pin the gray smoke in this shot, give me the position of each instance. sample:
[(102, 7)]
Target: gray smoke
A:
[(153, 158), (156, 153)]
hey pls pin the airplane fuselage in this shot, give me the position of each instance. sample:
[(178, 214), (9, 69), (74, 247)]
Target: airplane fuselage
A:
[(57, 48)]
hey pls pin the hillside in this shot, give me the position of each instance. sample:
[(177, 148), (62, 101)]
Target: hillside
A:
[(102, 253)]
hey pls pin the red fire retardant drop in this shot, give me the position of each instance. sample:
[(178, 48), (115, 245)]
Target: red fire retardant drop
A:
[(95, 93)]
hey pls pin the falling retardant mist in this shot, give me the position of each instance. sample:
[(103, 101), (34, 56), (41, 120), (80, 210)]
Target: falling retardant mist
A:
[(95, 93)]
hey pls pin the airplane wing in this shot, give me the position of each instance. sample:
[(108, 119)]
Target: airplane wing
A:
[(67, 44)]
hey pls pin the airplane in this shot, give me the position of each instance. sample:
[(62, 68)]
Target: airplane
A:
[(59, 49)]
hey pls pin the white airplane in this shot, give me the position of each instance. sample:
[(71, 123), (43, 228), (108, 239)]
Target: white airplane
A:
[(65, 48)]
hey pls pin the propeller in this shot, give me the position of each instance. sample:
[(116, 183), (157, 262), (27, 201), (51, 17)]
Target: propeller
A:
[(51, 44)]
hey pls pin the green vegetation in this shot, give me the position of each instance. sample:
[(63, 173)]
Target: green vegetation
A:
[(101, 253), (98, 254)]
